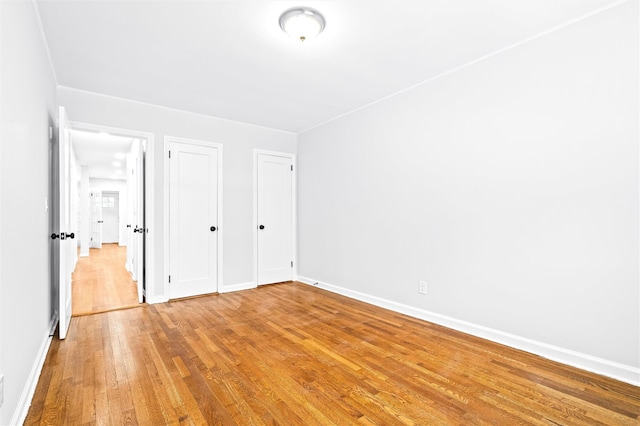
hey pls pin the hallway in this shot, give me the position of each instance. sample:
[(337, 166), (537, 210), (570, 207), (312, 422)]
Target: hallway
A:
[(102, 283)]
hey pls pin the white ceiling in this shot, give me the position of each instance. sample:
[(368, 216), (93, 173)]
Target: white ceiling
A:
[(103, 154), (230, 59)]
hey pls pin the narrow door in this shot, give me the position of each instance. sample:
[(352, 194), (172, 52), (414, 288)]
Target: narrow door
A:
[(63, 234), (275, 219), (131, 196), (193, 219), (140, 230), (110, 217), (96, 219)]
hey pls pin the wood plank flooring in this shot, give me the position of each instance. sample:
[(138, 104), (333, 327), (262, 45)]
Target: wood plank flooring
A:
[(101, 282), (292, 354)]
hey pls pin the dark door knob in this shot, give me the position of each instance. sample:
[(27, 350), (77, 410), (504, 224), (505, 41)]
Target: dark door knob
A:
[(261, 227), (71, 235), (213, 228), (54, 236)]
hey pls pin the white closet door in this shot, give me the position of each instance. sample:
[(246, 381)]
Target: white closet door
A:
[(275, 219), (193, 219)]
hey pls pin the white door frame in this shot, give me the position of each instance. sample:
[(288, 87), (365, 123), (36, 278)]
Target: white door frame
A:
[(294, 210), (220, 230), (150, 235)]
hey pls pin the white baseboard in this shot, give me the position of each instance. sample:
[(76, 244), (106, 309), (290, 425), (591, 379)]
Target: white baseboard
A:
[(154, 300), (237, 287), (53, 323), (20, 414), (222, 289), (622, 372)]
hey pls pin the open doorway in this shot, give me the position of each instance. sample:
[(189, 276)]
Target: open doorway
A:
[(109, 200)]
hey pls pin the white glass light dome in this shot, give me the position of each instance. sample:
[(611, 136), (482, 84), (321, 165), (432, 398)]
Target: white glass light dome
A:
[(302, 23)]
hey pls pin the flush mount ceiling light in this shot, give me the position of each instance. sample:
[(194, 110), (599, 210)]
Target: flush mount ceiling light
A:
[(302, 23)]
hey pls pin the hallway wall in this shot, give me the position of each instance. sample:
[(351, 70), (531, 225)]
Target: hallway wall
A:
[(27, 109)]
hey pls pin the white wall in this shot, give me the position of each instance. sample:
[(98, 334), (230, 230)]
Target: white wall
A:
[(510, 186), (27, 110), (238, 142)]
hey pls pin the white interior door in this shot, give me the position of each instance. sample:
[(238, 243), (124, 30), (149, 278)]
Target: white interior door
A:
[(131, 204), (193, 219), (275, 219), (96, 219), (139, 232), (110, 217), (64, 235)]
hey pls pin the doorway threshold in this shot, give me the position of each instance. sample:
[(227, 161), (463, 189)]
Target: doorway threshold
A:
[(119, 308)]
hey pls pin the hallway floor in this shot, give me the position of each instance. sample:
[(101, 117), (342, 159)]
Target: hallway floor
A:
[(102, 283)]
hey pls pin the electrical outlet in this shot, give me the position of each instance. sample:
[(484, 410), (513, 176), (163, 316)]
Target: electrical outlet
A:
[(1, 390), (423, 287)]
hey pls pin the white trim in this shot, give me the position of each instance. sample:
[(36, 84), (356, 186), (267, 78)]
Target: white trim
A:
[(165, 226), (238, 287), (294, 209), (472, 62), (625, 373), (149, 177), (116, 131), (183, 111), (152, 300), (22, 409), (220, 225)]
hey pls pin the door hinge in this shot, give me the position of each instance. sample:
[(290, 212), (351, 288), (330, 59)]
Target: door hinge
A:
[(169, 278), (169, 154), (292, 263), (292, 167)]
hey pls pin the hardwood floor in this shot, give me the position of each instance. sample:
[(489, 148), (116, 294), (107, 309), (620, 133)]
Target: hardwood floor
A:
[(102, 283), (292, 354)]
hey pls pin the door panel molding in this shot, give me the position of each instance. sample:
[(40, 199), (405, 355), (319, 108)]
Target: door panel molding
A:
[(166, 206), (294, 210)]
